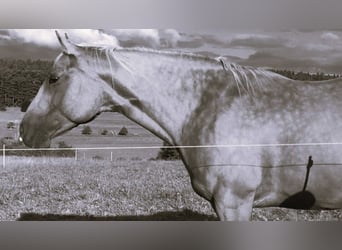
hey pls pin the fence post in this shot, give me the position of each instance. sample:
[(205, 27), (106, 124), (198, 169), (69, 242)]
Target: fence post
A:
[(3, 155)]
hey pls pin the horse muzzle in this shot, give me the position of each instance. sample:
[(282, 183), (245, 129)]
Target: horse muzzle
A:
[(33, 134)]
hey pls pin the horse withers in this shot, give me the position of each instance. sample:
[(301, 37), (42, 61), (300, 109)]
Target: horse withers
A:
[(243, 133)]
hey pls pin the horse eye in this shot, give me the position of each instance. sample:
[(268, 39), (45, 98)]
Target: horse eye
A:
[(53, 79)]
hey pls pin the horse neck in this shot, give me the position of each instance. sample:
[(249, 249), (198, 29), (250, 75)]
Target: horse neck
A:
[(163, 88)]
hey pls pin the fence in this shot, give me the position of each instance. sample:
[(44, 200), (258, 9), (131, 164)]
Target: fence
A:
[(80, 153), (77, 153)]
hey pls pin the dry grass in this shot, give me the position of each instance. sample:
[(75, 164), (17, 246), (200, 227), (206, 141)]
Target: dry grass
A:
[(99, 188), (64, 189)]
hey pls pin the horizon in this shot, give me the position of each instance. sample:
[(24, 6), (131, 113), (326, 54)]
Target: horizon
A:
[(307, 51)]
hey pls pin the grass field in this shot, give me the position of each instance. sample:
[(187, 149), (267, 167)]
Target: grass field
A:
[(137, 136), (131, 187), (64, 189), (123, 190)]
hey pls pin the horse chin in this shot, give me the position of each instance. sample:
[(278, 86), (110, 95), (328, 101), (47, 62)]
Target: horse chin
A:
[(63, 130), (46, 143)]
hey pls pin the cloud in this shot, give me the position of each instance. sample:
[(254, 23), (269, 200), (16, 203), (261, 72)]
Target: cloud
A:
[(257, 41), (295, 50), (170, 37), (215, 40), (193, 42), (207, 53), (4, 37), (35, 36), (266, 59), (300, 51), (136, 37), (291, 62), (317, 47), (150, 38), (29, 40), (93, 37), (43, 43), (330, 36), (47, 37), (334, 65)]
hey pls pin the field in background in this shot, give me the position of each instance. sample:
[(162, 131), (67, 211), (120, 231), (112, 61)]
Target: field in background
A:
[(112, 122)]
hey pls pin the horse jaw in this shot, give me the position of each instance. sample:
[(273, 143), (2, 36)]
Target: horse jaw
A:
[(37, 134)]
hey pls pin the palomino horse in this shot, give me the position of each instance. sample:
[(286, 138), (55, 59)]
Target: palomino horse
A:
[(244, 134)]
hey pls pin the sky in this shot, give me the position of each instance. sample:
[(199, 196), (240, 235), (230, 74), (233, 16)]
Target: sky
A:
[(290, 34), (295, 49)]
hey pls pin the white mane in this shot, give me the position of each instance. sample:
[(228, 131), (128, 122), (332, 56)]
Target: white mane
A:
[(246, 78)]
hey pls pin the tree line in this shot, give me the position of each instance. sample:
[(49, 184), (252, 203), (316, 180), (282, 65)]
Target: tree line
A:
[(20, 79), (306, 76)]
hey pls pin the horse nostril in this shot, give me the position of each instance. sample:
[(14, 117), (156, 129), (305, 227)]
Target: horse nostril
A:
[(21, 133), (21, 129)]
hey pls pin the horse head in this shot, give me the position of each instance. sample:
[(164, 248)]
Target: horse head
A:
[(67, 98)]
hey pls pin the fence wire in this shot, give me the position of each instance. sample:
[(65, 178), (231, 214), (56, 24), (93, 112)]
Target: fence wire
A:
[(9, 151)]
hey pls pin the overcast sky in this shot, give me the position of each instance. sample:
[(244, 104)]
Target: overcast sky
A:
[(319, 50), (292, 34)]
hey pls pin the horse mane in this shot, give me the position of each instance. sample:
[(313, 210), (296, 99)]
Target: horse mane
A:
[(89, 49), (246, 78)]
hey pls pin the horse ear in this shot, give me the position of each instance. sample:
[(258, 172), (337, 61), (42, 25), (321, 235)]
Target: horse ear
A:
[(67, 46)]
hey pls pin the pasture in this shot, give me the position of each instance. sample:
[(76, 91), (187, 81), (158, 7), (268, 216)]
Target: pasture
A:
[(131, 187), (64, 189), (112, 122)]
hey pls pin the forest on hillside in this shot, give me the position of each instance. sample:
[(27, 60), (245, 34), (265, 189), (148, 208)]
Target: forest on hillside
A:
[(21, 79), (305, 76)]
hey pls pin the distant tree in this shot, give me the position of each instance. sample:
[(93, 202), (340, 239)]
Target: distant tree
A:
[(123, 131), (104, 132), (10, 125), (2, 107), (86, 130), (25, 105), (21, 79), (168, 153), (305, 76)]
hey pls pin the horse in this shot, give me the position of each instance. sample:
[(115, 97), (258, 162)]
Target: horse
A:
[(243, 133)]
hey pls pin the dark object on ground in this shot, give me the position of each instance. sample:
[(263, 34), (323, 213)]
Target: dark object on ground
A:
[(86, 130), (168, 153), (123, 131), (11, 125), (300, 200), (303, 199), (185, 215), (104, 132)]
